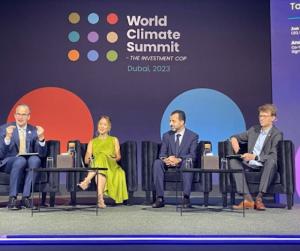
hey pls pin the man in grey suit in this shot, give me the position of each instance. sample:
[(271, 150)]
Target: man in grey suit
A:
[(178, 145), (262, 143)]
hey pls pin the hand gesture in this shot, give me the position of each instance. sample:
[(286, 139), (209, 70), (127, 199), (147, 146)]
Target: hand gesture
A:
[(235, 145), (9, 131), (248, 156), (40, 133)]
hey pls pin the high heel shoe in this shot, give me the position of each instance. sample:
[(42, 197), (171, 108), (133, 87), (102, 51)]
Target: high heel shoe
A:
[(101, 203), (84, 184)]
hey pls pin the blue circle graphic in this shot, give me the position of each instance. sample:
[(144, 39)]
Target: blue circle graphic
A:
[(74, 36), (92, 55), (93, 18), (210, 113)]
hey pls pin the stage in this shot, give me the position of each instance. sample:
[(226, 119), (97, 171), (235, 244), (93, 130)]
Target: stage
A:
[(141, 219), (139, 226)]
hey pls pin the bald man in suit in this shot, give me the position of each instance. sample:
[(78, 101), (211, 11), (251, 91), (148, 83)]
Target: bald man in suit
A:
[(17, 139)]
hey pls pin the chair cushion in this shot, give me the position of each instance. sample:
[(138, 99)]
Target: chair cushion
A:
[(171, 175), (4, 178)]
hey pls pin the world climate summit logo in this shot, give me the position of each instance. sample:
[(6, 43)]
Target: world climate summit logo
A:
[(94, 37)]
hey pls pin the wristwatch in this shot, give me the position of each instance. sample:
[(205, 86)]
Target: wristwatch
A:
[(256, 158)]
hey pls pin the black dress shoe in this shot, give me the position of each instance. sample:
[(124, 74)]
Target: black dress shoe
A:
[(26, 202), (158, 203), (12, 204), (186, 203)]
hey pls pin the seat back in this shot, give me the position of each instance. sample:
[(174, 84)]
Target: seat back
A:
[(150, 152), (74, 178), (51, 183), (129, 163), (286, 165)]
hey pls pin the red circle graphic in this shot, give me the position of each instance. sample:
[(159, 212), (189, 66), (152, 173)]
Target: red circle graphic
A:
[(62, 114)]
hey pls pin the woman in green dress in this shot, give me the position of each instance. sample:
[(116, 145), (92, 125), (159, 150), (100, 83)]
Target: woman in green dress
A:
[(104, 151)]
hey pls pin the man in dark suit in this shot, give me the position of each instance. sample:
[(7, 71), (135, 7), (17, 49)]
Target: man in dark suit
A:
[(17, 139), (178, 145), (262, 143)]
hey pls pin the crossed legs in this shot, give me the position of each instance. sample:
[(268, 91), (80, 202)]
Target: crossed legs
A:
[(100, 181)]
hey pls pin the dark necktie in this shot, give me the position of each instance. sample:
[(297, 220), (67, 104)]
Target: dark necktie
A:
[(177, 144)]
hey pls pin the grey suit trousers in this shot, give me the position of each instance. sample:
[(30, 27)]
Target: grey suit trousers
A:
[(268, 171)]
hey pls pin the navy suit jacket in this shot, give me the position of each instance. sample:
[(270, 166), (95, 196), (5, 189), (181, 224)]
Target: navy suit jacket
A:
[(187, 148), (11, 150)]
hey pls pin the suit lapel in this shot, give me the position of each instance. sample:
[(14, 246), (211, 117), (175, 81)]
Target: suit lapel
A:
[(172, 143), (183, 141), (267, 138), (16, 138), (254, 139)]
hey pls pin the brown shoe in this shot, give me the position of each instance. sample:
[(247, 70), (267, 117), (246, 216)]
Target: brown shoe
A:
[(247, 205), (259, 205)]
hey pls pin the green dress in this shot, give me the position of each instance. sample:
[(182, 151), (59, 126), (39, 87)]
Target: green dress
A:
[(103, 151)]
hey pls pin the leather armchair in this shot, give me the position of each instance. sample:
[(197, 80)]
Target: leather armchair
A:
[(284, 179), (128, 162), (150, 152), (49, 181)]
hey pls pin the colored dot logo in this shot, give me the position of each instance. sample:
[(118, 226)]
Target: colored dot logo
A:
[(112, 18), (93, 18), (73, 55), (112, 56), (92, 55), (112, 37), (77, 36), (93, 37), (73, 36), (74, 18)]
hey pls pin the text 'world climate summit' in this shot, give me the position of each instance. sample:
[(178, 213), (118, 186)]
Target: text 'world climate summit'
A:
[(151, 34)]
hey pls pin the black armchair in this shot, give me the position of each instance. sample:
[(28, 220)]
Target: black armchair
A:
[(150, 152), (49, 181), (128, 162), (283, 182)]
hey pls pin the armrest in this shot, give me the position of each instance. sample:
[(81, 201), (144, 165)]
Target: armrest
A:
[(83, 147), (150, 152), (53, 149), (286, 164), (129, 163), (224, 148), (200, 152), (78, 160)]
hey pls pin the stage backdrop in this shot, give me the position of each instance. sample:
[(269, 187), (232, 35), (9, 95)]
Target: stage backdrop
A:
[(285, 71), (136, 61)]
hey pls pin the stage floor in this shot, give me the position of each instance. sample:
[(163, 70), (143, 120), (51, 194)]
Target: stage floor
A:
[(144, 220)]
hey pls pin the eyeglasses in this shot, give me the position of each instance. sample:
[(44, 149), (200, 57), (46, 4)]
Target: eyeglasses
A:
[(264, 116), (22, 114)]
